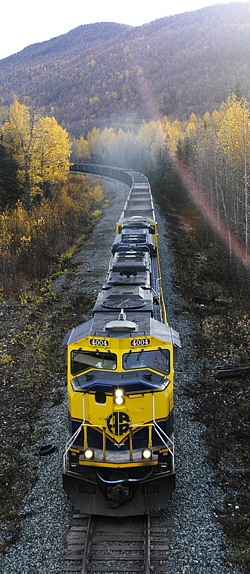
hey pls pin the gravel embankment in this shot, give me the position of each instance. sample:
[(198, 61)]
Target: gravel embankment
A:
[(197, 544)]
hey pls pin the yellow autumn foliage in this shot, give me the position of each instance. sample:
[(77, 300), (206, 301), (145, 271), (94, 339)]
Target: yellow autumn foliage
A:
[(31, 243), (40, 147)]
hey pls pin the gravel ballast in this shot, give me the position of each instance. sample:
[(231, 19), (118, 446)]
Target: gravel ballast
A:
[(197, 543)]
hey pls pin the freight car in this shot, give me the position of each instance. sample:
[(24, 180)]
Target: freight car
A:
[(119, 457)]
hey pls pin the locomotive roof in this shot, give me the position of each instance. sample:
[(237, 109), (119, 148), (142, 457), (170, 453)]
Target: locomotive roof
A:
[(144, 326)]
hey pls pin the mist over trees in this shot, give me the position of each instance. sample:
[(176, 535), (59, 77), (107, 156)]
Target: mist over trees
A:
[(34, 175), (215, 148)]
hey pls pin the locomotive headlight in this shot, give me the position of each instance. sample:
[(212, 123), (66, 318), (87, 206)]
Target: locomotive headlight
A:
[(119, 396), (89, 453), (147, 453)]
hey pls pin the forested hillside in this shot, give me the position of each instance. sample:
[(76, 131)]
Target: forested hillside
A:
[(108, 74)]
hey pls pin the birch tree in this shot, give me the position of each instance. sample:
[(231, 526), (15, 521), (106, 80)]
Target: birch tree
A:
[(234, 143), (18, 136), (40, 147)]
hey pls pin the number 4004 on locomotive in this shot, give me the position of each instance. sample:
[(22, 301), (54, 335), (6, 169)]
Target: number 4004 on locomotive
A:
[(119, 457)]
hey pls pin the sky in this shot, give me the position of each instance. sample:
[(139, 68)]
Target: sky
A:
[(26, 22)]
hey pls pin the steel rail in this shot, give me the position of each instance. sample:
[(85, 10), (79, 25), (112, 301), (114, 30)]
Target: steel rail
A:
[(87, 545)]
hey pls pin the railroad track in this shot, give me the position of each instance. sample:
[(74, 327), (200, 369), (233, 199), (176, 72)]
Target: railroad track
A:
[(96, 545)]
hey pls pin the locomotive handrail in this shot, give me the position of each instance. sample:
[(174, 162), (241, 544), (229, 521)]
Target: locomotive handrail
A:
[(154, 425), (158, 429), (70, 443)]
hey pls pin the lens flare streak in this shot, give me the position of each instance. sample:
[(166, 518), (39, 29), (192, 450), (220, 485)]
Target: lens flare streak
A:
[(211, 216)]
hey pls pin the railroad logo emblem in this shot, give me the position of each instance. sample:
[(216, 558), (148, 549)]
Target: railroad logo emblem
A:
[(118, 423)]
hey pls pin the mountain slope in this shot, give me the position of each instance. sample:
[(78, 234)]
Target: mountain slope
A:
[(106, 74)]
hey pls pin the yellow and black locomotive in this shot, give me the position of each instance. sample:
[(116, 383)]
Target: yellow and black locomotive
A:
[(119, 457)]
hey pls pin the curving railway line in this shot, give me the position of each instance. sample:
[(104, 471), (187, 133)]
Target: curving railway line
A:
[(119, 456), (125, 542)]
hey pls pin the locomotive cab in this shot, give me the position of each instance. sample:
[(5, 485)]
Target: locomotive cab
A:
[(120, 443)]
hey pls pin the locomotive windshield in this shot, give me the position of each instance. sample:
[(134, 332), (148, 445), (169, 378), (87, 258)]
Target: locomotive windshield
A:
[(158, 360), (84, 360)]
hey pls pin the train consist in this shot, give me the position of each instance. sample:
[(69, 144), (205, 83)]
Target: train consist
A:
[(119, 457)]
